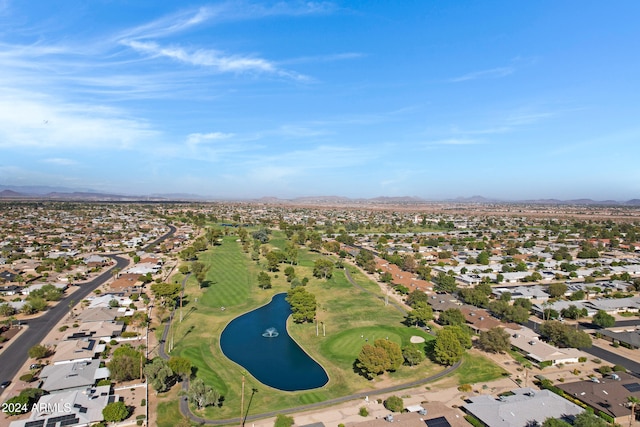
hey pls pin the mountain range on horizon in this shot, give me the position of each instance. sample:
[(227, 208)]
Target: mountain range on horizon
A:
[(8, 192)]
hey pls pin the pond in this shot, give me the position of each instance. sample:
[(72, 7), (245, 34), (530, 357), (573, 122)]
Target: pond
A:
[(259, 342)]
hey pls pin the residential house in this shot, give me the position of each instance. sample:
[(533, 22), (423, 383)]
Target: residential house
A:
[(70, 408), (72, 376), (526, 407), (77, 351), (608, 395), (529, 344)]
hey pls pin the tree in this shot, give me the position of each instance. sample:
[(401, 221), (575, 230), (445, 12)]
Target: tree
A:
[(372, 361), (495, 340), (447, 349), (274, 258), (323, 268), (383, 355), (115, 412), (587, 419), (452, 316), (6, 310), (417, 296), (39, 351), (125, 363), (555, 422), (199, 270), (562, 335), (303, 304), (633, 401), (180, 366), (603, 319), (444, 283), (166, 292), (202, 395), (394, 404), (157, 373), (264, 280), (420, 315), (394, 353), (283, 421), (557, 289), (573, 312), (290, 272), (412, 355)]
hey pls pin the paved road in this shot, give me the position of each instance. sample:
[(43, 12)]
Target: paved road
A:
[(15, 356)]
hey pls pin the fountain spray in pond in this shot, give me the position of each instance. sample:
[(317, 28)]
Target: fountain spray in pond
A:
[(270, 333)]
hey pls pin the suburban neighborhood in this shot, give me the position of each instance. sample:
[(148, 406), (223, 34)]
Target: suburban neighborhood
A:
[(552, 302)]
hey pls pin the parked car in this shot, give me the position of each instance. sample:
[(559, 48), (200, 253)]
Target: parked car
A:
[(5, 384), (35, 366)]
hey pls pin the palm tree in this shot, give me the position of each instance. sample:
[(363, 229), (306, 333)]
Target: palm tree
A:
[(633, 401)]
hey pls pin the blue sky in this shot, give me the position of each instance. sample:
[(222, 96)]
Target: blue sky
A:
[(237, 99)]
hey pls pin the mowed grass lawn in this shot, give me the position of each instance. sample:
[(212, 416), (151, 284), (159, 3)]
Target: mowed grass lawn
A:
[(350, 316)]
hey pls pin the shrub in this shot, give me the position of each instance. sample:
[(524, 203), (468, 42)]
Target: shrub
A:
[(465, 388), (619, 368), (27, 378), (394, 404), (139, 422), (604, 370), (474, 421), (113, 342), (144, 402), (597, 361), (63, 328), (283, 421), (363, 411), (104, 382), (582, 359), (129, 334)]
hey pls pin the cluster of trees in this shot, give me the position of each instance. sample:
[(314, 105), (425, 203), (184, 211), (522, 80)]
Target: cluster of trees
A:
[(126, 363), (323, 268), (495, 340), (563, 335), (161, 373), (603, 319), (451, 342), (444, 282), (366, 260), (477, 296), (167, 293), (518, 312), (573, 312), (383, 355), (303, 304)]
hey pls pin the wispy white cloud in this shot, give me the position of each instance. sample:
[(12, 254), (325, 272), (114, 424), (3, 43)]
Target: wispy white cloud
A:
[(60, 161), (214, 59), (492, 73), (453, 141), (35, 120), (323, 58), (206, 138), (170, 24)]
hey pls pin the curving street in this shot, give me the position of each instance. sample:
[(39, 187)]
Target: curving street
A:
[(15, 355)]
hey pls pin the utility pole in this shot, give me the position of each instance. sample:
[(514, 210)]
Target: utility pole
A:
[(242, 403)]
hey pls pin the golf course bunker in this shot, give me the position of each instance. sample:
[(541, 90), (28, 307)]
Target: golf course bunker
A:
[(260, 343), (416, 339)]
